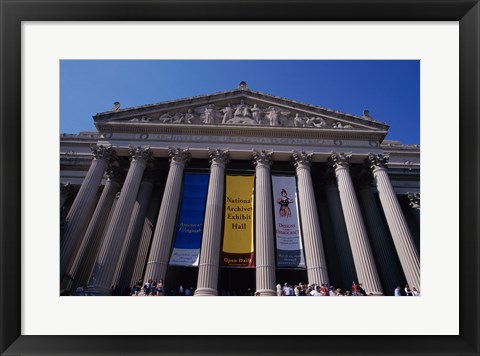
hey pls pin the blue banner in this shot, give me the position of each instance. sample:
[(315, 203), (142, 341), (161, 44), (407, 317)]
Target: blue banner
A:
[(287, 223), (186, 250)]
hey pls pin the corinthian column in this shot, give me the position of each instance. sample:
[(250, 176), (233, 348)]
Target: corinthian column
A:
[(126, 261), (385, 254), (264, 238), (357, 234), (312, 236), (76, 221), (399, 230), (209, 264), (340, 233), (104, 269), (79, 270), (162, 238)]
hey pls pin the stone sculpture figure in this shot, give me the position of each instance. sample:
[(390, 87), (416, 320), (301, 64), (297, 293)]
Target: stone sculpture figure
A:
[(366, 115), (209, 114), (242, 110), (315, 122), (273, 115), (256, 113), (189, 116), (166, 118), (298, 121), (338, 125), (227, 113)]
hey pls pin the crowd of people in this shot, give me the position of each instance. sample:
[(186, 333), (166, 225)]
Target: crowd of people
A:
[(326, 290), (154, 288)]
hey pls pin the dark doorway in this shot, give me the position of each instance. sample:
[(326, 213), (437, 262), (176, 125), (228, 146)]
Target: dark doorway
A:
[(236, 281), (184, 276), (291, 276)]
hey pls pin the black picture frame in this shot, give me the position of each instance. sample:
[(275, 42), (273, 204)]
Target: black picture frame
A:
[(13, 12)]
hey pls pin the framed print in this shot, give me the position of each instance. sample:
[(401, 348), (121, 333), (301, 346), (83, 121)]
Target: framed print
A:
[(38, 38)]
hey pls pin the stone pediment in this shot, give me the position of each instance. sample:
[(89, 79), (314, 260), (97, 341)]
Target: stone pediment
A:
[(240, 107)]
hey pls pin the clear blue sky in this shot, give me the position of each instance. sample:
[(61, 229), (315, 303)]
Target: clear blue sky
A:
[(389, 89)]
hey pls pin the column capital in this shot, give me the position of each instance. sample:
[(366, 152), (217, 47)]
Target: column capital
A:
[(302, 159), (179, 155), (101, 152), (378, 160), (115, 174), (262, 158), (141, 154), (339, 160), (218, 156), (414, 200)]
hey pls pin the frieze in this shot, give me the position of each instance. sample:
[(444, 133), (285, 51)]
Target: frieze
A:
[(242, 114), (254, 140)]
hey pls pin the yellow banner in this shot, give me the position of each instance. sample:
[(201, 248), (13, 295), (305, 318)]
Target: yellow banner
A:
[(238, 248)]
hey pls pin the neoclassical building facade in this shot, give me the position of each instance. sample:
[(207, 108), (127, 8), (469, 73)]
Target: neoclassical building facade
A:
[(238, 190)]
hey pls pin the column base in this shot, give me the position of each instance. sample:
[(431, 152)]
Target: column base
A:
[(206, 292), (98, 291), (266, 293)]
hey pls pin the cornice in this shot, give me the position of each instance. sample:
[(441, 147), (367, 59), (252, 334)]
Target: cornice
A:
[(111, 128)]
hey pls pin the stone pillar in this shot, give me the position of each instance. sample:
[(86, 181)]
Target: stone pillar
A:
[(209, 264), (357, 233), (147, 234), (342, 242), (414, 202), (79, 269), (76, 221), (402, 238), (312, 236), (264, 233), (380, 239), (162, 238), (126, 262), (102, 275)]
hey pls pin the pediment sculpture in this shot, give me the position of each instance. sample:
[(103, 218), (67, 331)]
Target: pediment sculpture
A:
[(242, 114)]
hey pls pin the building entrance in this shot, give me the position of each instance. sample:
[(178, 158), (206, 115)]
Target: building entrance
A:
[(291, 276), (236, 281), (180, 276)]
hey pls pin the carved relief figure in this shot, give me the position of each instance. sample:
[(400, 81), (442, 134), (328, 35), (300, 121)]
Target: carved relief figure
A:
[(315, 122), (298, 121), (273, 115), (256, 112), (227, 113), (209, 114), (189, 116), (242, 110), (166, 118), (338, 125)]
